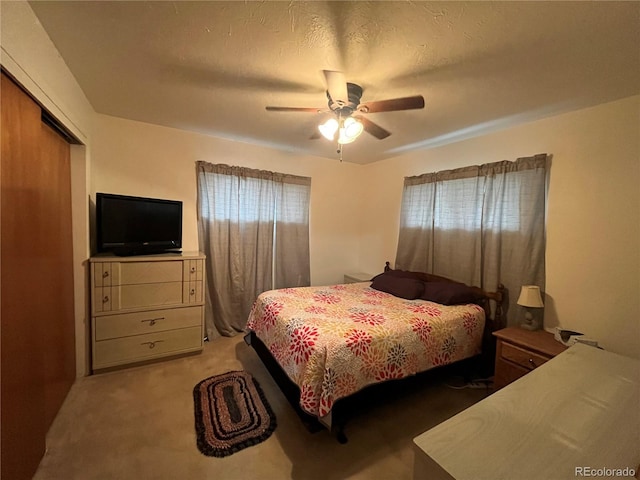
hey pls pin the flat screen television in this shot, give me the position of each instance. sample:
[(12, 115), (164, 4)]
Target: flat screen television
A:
[(137, 226)]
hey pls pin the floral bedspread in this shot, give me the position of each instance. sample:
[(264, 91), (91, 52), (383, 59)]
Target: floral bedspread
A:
[(332, 341)]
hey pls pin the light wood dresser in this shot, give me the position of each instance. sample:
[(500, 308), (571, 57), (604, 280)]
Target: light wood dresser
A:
[(145, 307)]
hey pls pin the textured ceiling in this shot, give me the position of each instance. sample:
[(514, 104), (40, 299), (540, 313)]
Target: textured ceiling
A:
[(212, 67)]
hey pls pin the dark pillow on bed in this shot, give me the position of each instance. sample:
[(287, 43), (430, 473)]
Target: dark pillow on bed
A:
[(449, 293), (408, 288), (422, 276), (402, 274)]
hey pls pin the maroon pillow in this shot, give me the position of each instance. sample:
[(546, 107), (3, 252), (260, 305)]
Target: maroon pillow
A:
[(449, 293), (422, 276), (408, 288), (403, 274)]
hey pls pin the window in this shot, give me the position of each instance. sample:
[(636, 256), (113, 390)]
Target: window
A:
[(254, 227), (481, 225)]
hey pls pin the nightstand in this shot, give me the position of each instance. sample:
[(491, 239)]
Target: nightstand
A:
[(519, 351), (357, 277)]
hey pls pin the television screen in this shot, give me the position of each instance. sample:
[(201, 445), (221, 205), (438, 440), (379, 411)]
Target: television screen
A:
[(136, 226)]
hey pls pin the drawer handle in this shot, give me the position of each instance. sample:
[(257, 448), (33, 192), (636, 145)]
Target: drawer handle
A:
[(192, 291), (531, 364), (105, 299), (193, 269), (152, 344), (152, 321), (105, 274)]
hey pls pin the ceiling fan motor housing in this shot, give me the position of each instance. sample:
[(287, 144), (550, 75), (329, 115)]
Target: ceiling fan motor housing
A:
[(344, 110)]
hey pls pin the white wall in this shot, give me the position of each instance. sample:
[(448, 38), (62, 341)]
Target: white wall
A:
[(593, 225), (134, 158)]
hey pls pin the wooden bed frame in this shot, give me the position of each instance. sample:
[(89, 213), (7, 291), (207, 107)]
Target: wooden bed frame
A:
[(341, 411)]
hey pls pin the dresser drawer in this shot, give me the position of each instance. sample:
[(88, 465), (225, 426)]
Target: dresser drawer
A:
[(101, 274), (108, 353), (133, 273), (125, 324), (146, 295), (192, 292), (193, 270), (524, 358), (101, 299), (127, 297)]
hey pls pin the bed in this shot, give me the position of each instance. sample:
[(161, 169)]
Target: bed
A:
[(325, 344)]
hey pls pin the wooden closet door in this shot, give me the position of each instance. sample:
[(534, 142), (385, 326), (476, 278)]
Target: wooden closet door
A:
[(56, 273), (36, 281)]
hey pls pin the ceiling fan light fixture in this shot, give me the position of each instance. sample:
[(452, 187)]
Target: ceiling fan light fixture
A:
[(352, 127), (350, 130), (344, 100), (329, 128)]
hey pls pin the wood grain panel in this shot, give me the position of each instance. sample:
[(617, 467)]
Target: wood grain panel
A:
[(23, 404), (56, 269), (519, 351), (507, 373), (537, 341), (525, 358), (38, 348)]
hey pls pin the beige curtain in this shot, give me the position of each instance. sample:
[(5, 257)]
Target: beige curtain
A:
[(481, 225), (253, 225)]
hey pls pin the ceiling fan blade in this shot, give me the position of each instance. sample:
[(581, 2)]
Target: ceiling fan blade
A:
[(373, 128), (294, 109), (405, 103), (337, 86)]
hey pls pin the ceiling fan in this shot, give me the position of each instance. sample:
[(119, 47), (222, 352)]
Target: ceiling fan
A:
[(344, 102)]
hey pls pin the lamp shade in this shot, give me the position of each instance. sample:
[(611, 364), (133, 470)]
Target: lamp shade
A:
[(530, 297)]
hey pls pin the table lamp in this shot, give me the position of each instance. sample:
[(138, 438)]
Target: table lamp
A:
[(530, 298)]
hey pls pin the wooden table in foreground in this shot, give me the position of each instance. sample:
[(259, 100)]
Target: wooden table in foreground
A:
[(576, 413)]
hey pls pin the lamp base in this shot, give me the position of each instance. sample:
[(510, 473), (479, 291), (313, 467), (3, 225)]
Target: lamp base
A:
[(529, 322), (530, 326)]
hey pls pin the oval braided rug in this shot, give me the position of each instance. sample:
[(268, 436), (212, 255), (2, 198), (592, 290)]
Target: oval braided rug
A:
[(231, 413)]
